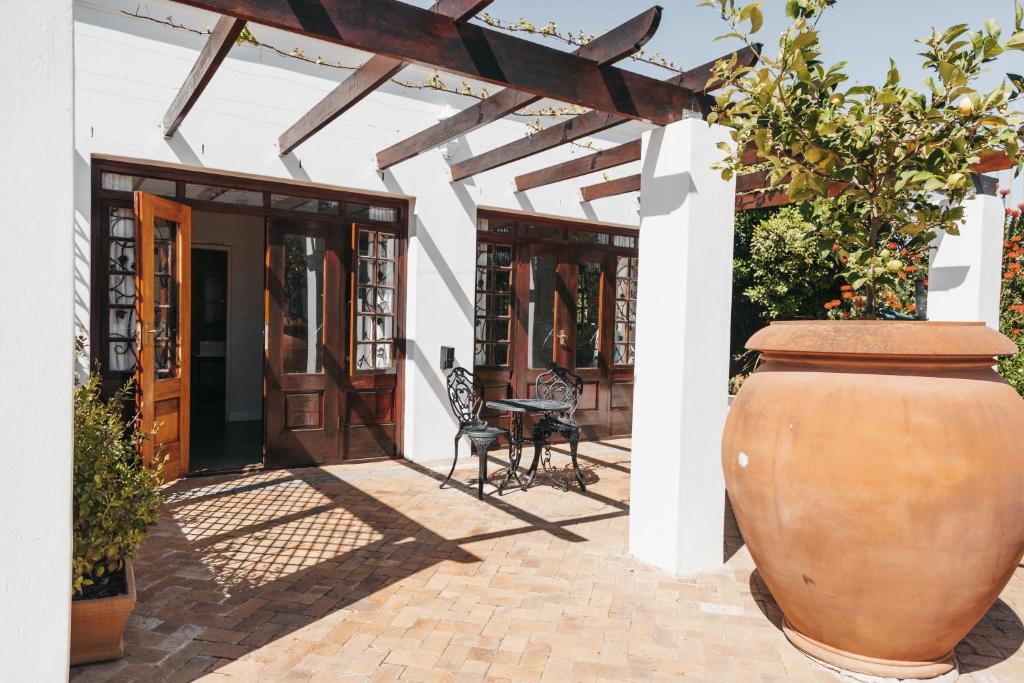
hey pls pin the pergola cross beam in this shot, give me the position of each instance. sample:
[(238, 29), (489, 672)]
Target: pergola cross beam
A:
[(590, 123), (223, 36), (608, 48), (408, 33), (611, 188), (367, 78)]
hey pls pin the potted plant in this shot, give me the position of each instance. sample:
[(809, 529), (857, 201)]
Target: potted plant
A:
[(875, 467), (116, 499)]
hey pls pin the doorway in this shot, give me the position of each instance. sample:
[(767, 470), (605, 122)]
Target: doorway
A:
[(227, 350)]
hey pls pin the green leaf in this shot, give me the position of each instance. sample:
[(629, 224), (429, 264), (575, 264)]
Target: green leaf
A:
[(1016, 41)]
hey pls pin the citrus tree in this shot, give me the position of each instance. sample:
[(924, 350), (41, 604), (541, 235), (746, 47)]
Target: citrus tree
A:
[(870, 165)]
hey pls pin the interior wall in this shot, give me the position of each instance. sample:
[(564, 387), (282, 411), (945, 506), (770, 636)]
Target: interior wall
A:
[(243, 235)]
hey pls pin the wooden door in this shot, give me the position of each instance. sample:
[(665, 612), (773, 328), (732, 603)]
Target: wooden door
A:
[(163, 305), (587, 277), (304, 336)]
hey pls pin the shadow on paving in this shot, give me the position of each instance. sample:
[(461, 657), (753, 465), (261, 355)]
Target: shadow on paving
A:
[(236, 563)]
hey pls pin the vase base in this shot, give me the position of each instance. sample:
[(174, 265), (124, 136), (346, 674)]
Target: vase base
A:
[(870, 669)]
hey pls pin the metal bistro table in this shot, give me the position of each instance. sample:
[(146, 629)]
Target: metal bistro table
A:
[(517, 408)]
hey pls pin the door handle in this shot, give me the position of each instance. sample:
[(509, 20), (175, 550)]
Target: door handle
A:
[(562, 336)]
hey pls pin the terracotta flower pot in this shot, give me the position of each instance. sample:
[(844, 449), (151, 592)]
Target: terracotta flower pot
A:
[(876, 470), (97, 626)]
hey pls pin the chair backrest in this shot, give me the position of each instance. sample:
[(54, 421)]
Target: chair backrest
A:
[(561, 384), (464, 395)]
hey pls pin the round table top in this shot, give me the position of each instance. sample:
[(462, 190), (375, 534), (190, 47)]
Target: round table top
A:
[(529, 405)]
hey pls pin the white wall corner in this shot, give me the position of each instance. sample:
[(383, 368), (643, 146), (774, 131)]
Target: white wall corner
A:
[(36, 360), (682, 355), (965, 273)]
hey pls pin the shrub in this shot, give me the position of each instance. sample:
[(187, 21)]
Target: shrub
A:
[(789, 277), (1011, 301), (116, 498)]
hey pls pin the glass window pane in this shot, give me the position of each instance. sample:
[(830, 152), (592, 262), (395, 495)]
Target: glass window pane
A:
[(383, 353), (164, 303), (541, 320), (364, 328), (223, 195), (366, 242), (303, 304), (385, 301), (365, 212), (364, 357), (305, 204), (385, 246), (132, 183), (588, 315), (499, 354), (385, 274)]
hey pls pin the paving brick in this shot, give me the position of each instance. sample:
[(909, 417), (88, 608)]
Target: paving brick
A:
[(370, 572)]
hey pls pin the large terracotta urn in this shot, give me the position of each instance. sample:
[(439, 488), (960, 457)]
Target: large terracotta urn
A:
[(876, 470)]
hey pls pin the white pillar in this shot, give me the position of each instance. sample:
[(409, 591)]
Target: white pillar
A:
[(36, 338), (440, 290), (680, 399), (964, 276)]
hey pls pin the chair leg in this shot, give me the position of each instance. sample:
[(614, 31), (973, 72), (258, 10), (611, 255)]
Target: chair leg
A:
[(574, 439), (481, 452), (455, 461)]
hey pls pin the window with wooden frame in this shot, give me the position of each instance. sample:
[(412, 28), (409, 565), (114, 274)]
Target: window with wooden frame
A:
[(373, 306), (493, 304), (625, 309)]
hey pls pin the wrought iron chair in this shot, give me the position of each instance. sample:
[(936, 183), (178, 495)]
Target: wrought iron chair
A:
[(465, 396), (558, 384)]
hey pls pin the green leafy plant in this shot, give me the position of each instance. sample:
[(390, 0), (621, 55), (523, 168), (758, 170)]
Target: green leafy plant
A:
[(116, 497), (868, 164)]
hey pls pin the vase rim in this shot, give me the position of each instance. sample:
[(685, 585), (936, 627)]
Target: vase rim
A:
[(882, 338)]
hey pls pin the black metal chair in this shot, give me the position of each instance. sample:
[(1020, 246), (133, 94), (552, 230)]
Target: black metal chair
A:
[(558, 384), (465, 396)]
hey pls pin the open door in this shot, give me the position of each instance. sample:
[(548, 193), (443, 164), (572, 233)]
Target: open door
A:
[(163, 307)]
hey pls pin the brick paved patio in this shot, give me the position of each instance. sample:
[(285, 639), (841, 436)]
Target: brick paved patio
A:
[(371, 572)]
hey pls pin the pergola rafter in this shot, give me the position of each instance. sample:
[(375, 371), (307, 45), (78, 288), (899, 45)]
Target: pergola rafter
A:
[(367, 78), (574, 168), (594, 121), (404, 32), (223, 36), (608, 48), (611, 188)]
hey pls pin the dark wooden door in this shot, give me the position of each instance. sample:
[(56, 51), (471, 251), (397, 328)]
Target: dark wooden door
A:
[(163, 235), (305, 332)]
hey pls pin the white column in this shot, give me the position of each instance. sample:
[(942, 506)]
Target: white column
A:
[(677, 490), (36, 338), (440, 297), (964, 276)]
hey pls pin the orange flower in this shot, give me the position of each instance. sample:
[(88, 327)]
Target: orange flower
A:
[(1019, 308), (835, 246), (910, 269), (847, 295), (912, 308), (1015, 332), (1007, 244), (892, 246), (1007, 275)]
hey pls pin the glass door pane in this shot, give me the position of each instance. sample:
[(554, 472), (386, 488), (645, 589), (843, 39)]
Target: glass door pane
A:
[(588, 314), (541, 320), (303, 304)]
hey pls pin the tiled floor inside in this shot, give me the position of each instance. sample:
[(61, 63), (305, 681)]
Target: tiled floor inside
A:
[(371, 572)]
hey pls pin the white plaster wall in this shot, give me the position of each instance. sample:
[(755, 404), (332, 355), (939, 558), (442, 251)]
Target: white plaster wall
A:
[(129, 70), (244, 237), (680, 399), (36, 110), (964, 277)]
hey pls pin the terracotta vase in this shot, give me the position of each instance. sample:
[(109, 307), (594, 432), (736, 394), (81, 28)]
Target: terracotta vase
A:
[(876, 470), (97, 626)]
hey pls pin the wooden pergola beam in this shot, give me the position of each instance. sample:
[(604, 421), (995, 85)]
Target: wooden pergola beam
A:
[(223, 36), (610, 188), (367, 78), (574, 168), (609, 48), (586, 124), (401, 31)]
